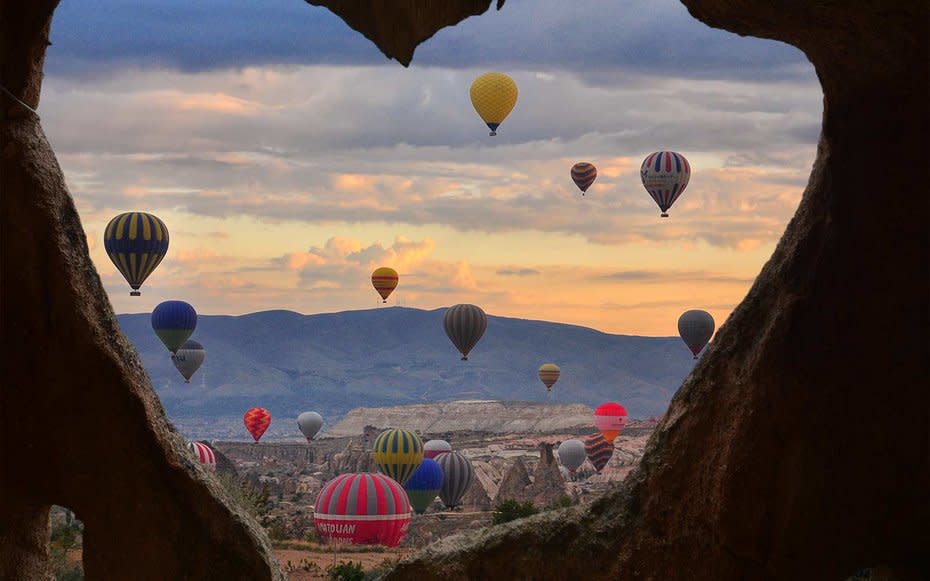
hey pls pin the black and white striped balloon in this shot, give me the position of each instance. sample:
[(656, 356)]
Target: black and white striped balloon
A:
[(465, 324), (458, 475)]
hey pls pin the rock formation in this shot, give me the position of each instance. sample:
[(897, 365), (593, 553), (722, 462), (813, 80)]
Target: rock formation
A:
[(514, 484), (548, 484), (447, 418)]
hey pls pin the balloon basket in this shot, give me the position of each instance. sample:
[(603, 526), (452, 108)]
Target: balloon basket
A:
[(664, 215), (493, 133), (135, 293)]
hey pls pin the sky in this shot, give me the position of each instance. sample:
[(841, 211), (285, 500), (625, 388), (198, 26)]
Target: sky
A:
[(289, 157)]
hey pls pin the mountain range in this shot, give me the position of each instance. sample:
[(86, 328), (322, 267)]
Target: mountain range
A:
[(288, 363)]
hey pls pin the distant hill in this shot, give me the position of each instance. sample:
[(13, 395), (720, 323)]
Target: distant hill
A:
[(288, 362)]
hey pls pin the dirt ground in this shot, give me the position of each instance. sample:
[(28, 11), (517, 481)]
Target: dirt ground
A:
[(299, 563)]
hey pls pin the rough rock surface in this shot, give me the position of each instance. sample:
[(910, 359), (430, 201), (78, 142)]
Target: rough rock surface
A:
[(755, 472), (514, 484), (495, 417), (149, 511)]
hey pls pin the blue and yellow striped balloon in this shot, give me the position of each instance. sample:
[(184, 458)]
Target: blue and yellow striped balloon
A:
[(398, 453), (136, 242)]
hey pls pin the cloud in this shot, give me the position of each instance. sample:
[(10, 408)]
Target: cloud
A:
[(98, 37), (517, 272)]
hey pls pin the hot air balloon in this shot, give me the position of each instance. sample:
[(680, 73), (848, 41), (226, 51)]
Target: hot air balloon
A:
[(434, 448), (174, 322), (309, 424), (136, 242), (584, 174), (362, 509), (610, 418), (189, 358), (665, 176), (424, 485), (204, 454), (398, 453), (384, 280), (257, 421), (465, 324), (458, 473), (598, 450), (494, 96), (548, 374), (572, 454), (696, 327)]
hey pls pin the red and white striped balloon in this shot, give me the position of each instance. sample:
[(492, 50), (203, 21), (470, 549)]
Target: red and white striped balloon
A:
[(362, 509), (204, 454)]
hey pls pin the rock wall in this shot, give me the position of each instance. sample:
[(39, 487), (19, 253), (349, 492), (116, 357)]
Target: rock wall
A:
[(755, 472)]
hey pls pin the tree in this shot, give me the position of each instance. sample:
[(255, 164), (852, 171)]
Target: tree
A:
[(512, 510)]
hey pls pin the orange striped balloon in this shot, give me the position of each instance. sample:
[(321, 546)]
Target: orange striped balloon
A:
[(549, 373), (257, 421), (384, 280)]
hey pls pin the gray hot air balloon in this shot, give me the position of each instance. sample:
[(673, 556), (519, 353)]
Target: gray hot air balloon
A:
[(572, 454), (309, 423), (189, 358), (465, 324), (696, 327), (458, 475)]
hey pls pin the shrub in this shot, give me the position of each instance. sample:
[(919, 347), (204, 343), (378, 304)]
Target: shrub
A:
[(346, 571), (512, 510)]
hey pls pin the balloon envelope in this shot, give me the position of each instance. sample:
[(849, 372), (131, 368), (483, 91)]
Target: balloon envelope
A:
[(174, 322), (464, 325), (204, 454), (424, 485), (434, 448), (136, 242), (696, 327), (584, 174), (257, 421), (458, 473), (309, 424), (598, 450), (572, 454), (362, 509), (665, 175), (494, 96), (398, 453), (610, 418), (549, 373), (384, 280), (188, 359)]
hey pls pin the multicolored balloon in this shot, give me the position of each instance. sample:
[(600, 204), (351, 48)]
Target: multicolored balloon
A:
[(424, 485), (598, 450), (572, 454), (458, 473), (309, 424), (494, 96), (665, 175), (584, 174), (204, 454), (610, 418), (384, 280), (465, 324), (174, 322), (362, 509), (136, 242), (189, 358), (549, 373), (696, 327), (398, 453), (434, 448), (257, 421)]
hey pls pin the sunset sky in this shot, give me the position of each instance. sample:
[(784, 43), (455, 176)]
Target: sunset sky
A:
[(289, 158)]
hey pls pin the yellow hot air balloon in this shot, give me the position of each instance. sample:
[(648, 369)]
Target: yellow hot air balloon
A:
[(494, 96), (384, 280), (549, 373)]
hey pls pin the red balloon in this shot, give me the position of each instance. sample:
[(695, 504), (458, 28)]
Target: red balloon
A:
[(610, 418), (257, 421), (362, 509)]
